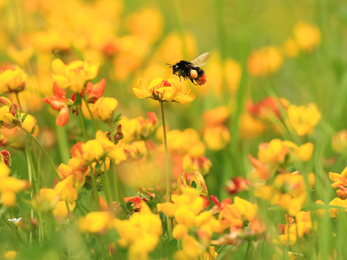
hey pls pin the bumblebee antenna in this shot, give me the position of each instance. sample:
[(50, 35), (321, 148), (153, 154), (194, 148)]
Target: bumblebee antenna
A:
[(170, 65)]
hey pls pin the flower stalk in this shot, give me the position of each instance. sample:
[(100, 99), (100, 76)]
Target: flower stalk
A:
[(44, 152), (167, 180)]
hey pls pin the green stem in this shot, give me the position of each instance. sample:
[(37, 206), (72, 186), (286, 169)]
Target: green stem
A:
[(115, 183), (179, 22), (44, 151), (95, 190), (167, 177), (68, 209), (90, 112), (107, 185), (63, 144), (20, 106), (30, 175), (82, 124)]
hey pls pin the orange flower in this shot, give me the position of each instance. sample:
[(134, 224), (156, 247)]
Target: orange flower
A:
[(216, 116), (95, 91), (60, 103), (268, 107)]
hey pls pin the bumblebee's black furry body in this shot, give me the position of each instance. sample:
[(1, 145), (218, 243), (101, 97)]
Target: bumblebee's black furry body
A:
[(183, 69)]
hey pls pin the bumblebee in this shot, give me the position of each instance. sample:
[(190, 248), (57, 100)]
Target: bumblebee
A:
[(191, 69)]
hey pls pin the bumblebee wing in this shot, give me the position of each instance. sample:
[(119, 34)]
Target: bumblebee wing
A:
[(200, 60)]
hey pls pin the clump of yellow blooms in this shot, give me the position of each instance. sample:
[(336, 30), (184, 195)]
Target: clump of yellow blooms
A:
[(303, 118), (73, 75), (265, 61), (339, 141), (12, 79), (140, 234), (307, 36), (10, 186), (294, 229), (163, 90), (117, 154)]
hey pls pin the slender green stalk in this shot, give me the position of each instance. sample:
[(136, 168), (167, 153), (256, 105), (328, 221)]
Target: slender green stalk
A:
[(82, 125), (223, 45), (95, 190), (19, 104), (63, 144), (179, 22), (44, 151), (115, 183), (68, 208), (107, 184), (30, 175), (114, 177), (90, 112), (167, 176)]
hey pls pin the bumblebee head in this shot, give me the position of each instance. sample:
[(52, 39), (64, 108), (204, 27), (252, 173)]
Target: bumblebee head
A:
[(175, 67)]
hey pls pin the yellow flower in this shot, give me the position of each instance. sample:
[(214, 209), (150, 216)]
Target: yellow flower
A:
[(5, 115), (92, 150), (66, 189), (337, 202), (265, 61), (339, 141), (304, 152), (200, 164), (273, 153), (163, 90), (50, 40), (191, 247), (251, 127), (30, 124), (138, 128), (10, 255), (290, 48), (10, 186), (96, 222), (61, 209), (20, 56), (216, 116), (172, 47), (12, 79), (289, 191), (303, 118), (147, 24), (307, 36), (102, 109), (186, 142), (211, 254), (338, 179), (179, 231), (216, 137), (73, 75), (46, 200), (112, 150), (140, 233)]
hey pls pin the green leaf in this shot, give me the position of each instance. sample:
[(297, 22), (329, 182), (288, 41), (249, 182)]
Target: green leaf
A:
[(117, 118), (78, 101), (193, 185), (129, 205), (25, 116)]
